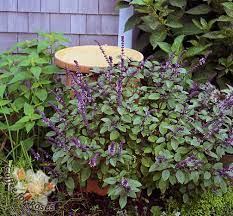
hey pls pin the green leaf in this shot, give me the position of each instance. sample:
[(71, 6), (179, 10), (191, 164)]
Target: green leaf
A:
[(2, 90), (173, 22), (110, 180), (29, 126), (228, 7), (114, 135), (50, 69), (132, 22), (123, 201), (180, 176), (70, 183), (107, 109), (154, 96), (195, 50), (27, 144), (28, 109), (165, 175), (20, 76), (156, 211), (207, 175), (85, 174), (138, 2), (166, 47), (215, 35), (41, 94), (36, 71), (160, 140), (178, 44), (158, 36), (126, 118), (200, 9), (121, 5), (42, 45), (178, 3), (151, 21)]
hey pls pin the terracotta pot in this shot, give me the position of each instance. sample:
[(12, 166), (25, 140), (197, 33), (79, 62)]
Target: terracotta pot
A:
[(227, 159), (93, 187)]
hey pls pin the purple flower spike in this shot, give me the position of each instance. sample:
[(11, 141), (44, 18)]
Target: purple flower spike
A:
[(93, 161), (125, 184), (119, 92), (36, 155), (103, 52), (121, 148), (112, 149), (202, 61)]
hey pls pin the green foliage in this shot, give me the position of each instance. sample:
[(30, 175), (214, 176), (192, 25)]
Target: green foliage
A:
[(165, 131), (9, 205), (207, 204), (26, 78), (205, 25)]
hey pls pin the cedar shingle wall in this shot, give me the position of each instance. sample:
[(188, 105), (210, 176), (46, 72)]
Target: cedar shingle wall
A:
[(82, 21)]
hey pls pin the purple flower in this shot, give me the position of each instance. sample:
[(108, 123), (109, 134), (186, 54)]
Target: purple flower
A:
[(202, 61), (190, 163), (82, 107), (104, 53), (119, 92), (56, 109), (112, 149), (194, 90), (58, 97), (36, 155), (93, 161), (160, 159), (48, 122), (78, 144), (226, 104), (125, 184), (226, 172), (121, 148)]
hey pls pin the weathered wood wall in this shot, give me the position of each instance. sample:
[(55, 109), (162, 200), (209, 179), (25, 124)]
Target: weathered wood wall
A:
[(82, 21)]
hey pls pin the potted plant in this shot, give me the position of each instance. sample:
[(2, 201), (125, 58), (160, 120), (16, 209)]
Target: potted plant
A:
[(167, 132)]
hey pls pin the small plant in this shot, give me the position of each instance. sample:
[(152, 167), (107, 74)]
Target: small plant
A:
[(26, 79), (207, 204), (142, 125)]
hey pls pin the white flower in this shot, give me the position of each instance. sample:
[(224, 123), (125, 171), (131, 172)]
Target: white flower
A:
[(34, 186), (177, 214)]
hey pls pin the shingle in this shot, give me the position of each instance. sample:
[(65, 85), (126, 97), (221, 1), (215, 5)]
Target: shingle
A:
[(90, 40), (78, 24), (109, 24), (60, 23), (39, 22), (29, 5), (7, 40), (73, 40), (8, 5), (3, 21), (17, 22), (93, 24), (88, 6), (107, 7), (69, 6), (50, 6), (24, 37)]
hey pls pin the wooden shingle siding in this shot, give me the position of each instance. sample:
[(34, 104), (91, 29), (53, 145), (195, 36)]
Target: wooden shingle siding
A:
[(82, 21)]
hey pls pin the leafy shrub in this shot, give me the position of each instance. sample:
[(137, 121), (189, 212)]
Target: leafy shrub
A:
[(206, 27), (25, 81), (165, 131), (206, 204)]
